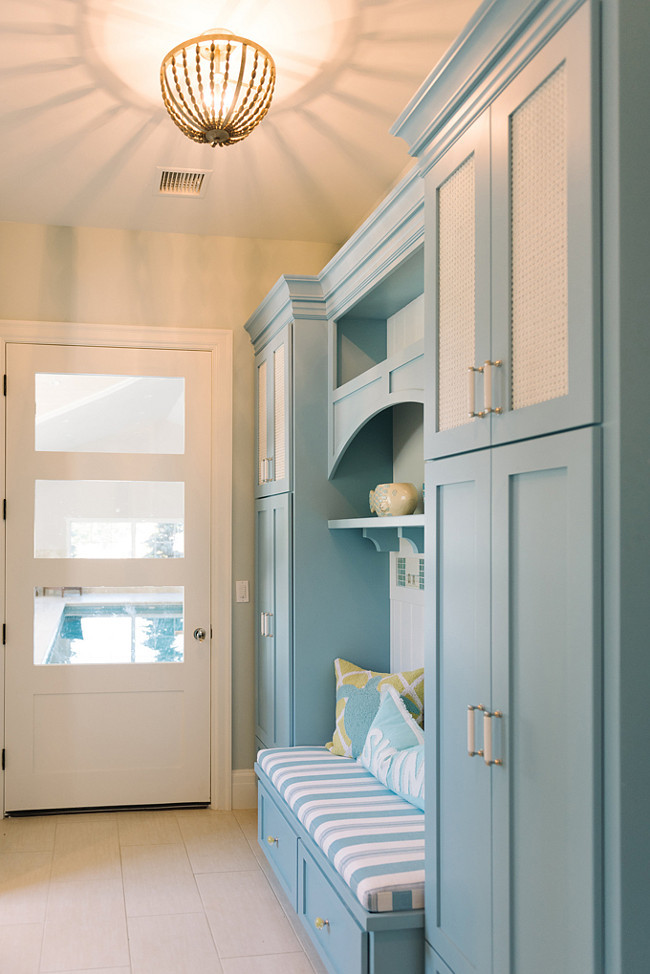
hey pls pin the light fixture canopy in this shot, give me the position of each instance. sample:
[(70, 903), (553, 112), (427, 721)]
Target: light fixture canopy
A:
[(218, 86)]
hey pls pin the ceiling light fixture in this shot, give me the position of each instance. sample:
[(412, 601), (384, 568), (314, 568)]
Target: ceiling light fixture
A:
[(217, 87)]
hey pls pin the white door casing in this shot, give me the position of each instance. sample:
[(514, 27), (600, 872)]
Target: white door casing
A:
[(81, 785)]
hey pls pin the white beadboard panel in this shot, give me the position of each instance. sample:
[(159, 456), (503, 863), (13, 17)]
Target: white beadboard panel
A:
[(405, 326), (406, 616)]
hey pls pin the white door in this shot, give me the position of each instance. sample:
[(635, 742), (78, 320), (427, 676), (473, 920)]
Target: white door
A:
[(108, 581)]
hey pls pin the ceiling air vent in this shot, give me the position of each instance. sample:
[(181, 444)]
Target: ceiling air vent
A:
[(190, 183)]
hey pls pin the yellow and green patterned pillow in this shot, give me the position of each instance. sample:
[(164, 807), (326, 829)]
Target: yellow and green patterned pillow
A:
[(358, 694)]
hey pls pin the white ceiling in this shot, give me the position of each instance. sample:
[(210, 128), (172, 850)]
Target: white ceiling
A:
[(83, 130)]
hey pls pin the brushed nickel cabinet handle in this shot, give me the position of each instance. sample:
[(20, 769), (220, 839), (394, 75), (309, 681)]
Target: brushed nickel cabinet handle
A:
[(471, 396), (487, 737), (487, 387), (471, 730)]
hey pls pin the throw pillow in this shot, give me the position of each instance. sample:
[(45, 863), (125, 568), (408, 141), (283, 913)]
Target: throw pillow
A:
[(357, 701), (394, 749)]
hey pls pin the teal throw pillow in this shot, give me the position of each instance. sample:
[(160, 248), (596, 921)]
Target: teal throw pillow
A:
[(394, 749)]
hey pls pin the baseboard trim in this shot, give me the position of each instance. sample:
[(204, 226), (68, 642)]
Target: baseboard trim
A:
[(244, 789)]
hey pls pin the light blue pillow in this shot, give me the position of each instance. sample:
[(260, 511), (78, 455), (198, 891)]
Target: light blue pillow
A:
[(405, 774), (394, 749)]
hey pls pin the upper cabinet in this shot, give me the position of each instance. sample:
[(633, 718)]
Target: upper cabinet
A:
[(378, 353), (374, 289), (511, 259)]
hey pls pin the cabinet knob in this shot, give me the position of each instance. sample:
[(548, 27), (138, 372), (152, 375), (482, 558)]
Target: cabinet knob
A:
[(321, 924), (272, 840)]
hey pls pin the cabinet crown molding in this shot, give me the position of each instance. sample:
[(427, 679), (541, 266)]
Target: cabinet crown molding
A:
[(497, 42), (291, 297)]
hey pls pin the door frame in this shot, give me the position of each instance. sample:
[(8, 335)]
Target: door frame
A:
[(220, 343)]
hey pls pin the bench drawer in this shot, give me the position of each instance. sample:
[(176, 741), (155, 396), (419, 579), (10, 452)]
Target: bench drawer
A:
[(338, 938), (279, 841)]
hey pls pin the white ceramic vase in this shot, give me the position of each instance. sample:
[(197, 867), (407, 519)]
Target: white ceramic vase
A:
[(393, 500)]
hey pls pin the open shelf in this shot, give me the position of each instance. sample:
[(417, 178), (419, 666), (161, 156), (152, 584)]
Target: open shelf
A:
[(386, 532)]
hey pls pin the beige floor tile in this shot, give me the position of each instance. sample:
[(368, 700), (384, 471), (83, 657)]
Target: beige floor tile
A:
[(29, 834), (172, 945), (215, 842), (244, 915), (247, 820), (86, 849), (294, 920), (24, 882), (85, 927), (20, 948), (158, 880), (148, 828), (269, 964), (99, 970)]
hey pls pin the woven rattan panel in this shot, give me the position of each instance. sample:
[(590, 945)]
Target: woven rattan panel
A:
[(279, 413), (538, 186), (456, 293), (261, 420)]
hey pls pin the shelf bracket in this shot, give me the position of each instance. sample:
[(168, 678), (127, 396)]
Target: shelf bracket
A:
[(386, 538)]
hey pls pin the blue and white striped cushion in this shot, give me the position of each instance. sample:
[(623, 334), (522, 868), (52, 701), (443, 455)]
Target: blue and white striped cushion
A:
[(372, 837)]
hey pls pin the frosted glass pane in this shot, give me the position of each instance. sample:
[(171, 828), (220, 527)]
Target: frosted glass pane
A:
[(109, 413), (108, 625), (108, 519)]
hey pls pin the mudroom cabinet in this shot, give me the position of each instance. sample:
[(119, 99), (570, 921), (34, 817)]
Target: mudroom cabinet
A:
[(307, 613), (506, 135), (511, 253), (513, 713)]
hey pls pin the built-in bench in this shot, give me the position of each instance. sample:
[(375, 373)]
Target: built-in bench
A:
[(349, 853)]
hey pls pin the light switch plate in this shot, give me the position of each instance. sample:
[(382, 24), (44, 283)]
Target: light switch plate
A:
[(241, 591)]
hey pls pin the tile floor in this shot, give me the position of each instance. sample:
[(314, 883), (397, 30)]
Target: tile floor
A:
[(153, 892)]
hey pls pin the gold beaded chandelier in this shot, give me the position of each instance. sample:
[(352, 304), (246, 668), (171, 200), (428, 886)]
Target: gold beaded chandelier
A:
[(217, 87)]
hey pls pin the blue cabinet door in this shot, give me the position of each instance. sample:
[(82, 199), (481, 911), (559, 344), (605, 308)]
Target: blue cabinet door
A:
[(545, 325), (273, 433), (273, 650), (513, 870), (458, 919), (545, 681), (457, 294), (513, 339)]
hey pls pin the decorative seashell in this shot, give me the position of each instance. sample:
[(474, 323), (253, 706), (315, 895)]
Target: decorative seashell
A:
[(393, 500)]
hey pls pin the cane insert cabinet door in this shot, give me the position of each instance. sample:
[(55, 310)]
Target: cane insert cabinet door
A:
[(511, 278), (273, 428)]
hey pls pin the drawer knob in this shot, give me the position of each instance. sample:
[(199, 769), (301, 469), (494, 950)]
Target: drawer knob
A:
[(321, 924), (272, 840)]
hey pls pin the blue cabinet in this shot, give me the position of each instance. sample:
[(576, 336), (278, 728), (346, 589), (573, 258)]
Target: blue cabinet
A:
[(506, 135), (303, 569), (513, 637), (273, 651), (512, 252)]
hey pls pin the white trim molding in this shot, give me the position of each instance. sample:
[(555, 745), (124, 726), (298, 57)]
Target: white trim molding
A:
[(244, 789)]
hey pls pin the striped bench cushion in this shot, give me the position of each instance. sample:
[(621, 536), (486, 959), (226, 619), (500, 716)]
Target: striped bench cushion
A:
[(372, 837)]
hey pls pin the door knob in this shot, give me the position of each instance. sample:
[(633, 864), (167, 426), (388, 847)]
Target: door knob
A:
[(200, 634)]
